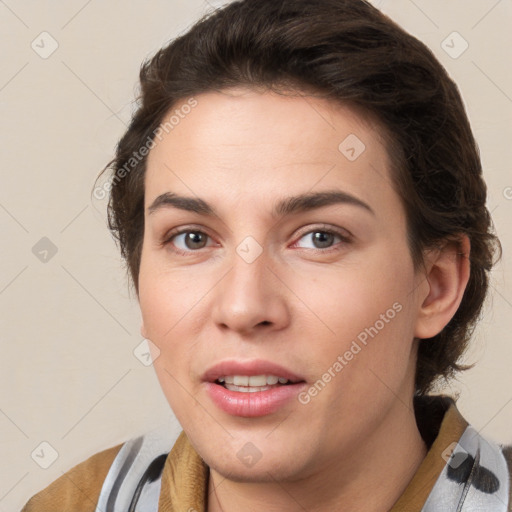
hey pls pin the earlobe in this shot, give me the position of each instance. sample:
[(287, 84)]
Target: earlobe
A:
[(447, 276), (143, 331)]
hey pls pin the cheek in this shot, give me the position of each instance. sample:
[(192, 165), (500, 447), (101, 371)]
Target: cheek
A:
[(170, 303), (345, 301), (364, 320), (366, 370), (165, 298)]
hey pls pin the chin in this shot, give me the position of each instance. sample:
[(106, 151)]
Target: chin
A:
[(260, 473), (238, 466)]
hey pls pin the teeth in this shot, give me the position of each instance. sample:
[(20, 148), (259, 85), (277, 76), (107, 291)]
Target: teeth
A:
[(257, 380), (247, 389), (254, 381), (240, 380)]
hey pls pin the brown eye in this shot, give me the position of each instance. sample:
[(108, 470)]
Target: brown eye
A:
[(195, 240), (189, 240)]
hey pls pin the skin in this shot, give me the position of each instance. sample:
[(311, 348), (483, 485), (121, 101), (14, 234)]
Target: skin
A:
[(242, 151)]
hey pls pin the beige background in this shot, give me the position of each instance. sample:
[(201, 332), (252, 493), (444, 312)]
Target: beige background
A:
[(69, 326)]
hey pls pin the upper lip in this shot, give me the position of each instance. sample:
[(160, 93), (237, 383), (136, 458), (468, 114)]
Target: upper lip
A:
[(251, 367)]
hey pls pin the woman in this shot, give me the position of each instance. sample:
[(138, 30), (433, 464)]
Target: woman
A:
[(298, 365)]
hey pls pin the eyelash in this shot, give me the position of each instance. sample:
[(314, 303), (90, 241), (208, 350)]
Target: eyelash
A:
[(345, 239)]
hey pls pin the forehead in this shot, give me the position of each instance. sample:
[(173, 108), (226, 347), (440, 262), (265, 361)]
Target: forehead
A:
[(257, 143)]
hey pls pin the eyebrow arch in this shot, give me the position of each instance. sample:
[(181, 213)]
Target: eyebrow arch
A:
[(283, 208)]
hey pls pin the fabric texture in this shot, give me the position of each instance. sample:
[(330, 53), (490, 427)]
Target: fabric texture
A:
[(462, 472), (77, 490), (135, 474)]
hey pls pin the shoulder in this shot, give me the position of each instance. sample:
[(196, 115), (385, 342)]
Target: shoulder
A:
[(507, 452), (78, 489)]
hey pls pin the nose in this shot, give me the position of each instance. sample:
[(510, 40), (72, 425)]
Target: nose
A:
[(251, 297)]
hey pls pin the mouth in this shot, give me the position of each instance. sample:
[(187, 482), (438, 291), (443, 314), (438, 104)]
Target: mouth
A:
[(251, 388), (255, 373), (253, 383)]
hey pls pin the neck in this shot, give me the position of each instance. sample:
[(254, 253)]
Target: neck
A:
[(395, 451)]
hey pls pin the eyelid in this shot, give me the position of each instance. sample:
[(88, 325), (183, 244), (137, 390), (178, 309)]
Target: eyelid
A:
[(303, 231), (343, 233), (184, 229)]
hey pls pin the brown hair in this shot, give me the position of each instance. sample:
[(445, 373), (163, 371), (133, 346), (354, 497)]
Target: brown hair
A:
[(351, 53)]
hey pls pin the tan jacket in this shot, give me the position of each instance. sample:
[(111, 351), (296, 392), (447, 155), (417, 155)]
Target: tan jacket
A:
[(185, 475)]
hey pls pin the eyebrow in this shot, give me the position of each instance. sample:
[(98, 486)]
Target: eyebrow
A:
[(285, 207)]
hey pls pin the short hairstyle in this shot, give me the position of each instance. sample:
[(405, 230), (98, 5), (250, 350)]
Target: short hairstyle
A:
[(348, 52)]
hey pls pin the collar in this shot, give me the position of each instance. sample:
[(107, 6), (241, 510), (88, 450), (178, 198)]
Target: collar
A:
[(440, 424)]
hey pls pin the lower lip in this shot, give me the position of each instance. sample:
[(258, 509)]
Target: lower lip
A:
[(257, 403)]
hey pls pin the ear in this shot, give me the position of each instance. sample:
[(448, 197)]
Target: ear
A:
[(143, 331), (447, 275)]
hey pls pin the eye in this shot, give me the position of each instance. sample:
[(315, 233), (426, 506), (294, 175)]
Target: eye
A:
[(322, 239), (187, 240)]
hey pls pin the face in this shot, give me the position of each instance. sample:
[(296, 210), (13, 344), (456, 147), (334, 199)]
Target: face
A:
[(239, 281)]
